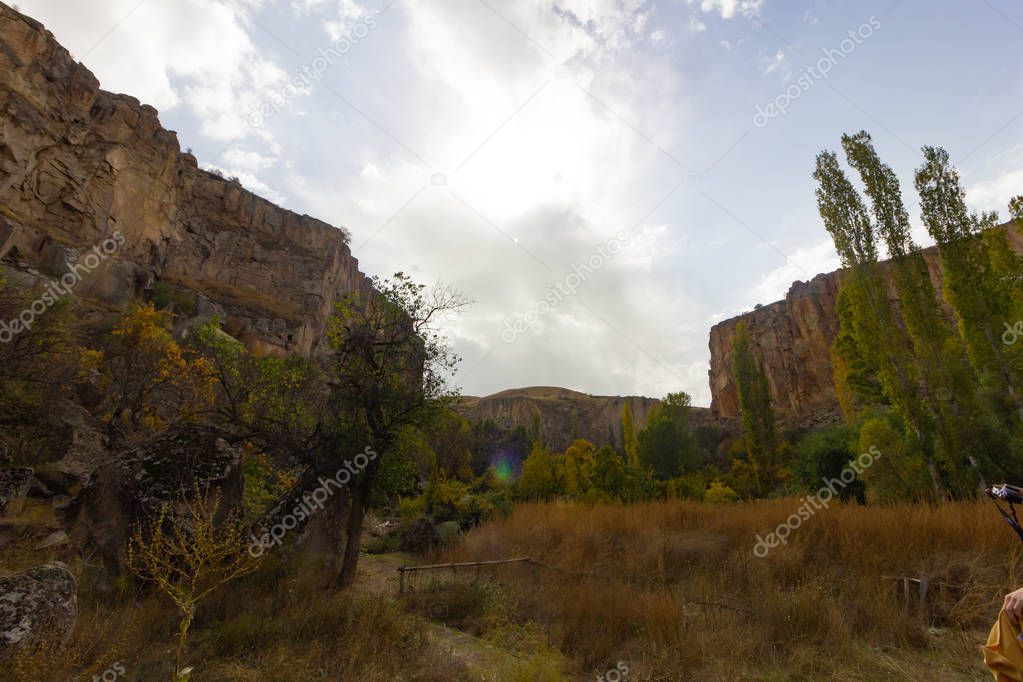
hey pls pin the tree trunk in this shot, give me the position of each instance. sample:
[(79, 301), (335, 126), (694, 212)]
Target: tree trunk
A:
[(353, 539), (353, 526)]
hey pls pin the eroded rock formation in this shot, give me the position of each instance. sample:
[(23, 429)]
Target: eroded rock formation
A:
[(559, 415), (79, 166)]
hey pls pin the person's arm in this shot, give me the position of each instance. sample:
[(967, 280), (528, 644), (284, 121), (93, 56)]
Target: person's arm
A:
[(1013, 606)]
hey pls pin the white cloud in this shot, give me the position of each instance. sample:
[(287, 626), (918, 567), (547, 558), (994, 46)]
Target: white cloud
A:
[(801, 264), (771, 64), (162, 53), (729, 8), (994, 194), (246, 161), (557, 164)]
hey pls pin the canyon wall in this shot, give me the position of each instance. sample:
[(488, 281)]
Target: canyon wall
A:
[(794, 338), (79, 165), (559, 415)]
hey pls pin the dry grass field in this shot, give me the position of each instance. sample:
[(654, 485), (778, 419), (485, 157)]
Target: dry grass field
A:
[(667, 591), (674, 590)]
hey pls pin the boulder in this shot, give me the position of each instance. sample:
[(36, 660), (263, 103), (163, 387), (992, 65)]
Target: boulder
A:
[(14, 486), (140, 481), (38, 604)]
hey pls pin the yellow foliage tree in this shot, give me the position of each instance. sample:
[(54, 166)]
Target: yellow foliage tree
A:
[(147, 380)]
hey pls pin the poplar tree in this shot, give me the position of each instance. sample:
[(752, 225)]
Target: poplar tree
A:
[(629, 440), (946, 389), (757, 412), (979, 274), (885, 345)]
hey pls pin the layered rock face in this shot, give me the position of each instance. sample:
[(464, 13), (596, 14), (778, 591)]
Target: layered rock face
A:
[(560, 415), (794, 337), (80, 166)]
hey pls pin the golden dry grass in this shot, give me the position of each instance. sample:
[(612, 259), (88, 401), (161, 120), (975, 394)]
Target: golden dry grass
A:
[(674, 588), (273, 625)]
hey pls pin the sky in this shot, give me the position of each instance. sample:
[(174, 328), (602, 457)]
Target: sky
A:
[(605, 179)]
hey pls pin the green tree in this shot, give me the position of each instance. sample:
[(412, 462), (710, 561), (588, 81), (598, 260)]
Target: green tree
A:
[(37, 365), (821, 456), (609, 472), (538, 480), (972, 284), (981, 281), (718, 493), (274, 403), (1016, 208), (757, 410), (629, 441), (901, 473), (389, 370), (667, 448), (946, 387), (882, 344), (578, 467)]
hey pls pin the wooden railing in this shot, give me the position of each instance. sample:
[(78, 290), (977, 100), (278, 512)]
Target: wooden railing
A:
[(403, 570)]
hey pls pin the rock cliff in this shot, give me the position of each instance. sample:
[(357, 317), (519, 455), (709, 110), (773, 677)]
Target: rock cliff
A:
[(794, 337), (559, 415), (79, 166)]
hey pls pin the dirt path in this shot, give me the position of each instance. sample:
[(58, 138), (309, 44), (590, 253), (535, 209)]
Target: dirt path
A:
[(378, 574)]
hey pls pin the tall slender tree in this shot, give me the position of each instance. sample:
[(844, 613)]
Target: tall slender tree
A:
[(629, 440), (975, 282), (757, 411), (946, 388), (885, 345)]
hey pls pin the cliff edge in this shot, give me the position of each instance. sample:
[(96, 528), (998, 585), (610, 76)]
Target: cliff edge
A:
[(78, 165)]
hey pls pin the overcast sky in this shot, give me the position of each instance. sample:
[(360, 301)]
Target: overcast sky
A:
[(615, 159)]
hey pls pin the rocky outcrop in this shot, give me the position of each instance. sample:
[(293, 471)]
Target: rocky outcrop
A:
[(142, 480), (83, 168), (40, 604), (558, 415), (794, 337)]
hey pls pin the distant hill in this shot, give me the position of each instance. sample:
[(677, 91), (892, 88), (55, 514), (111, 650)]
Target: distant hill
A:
[(560, 415)]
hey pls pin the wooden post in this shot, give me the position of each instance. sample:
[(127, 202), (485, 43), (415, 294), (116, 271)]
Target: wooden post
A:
[(401, 580)]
